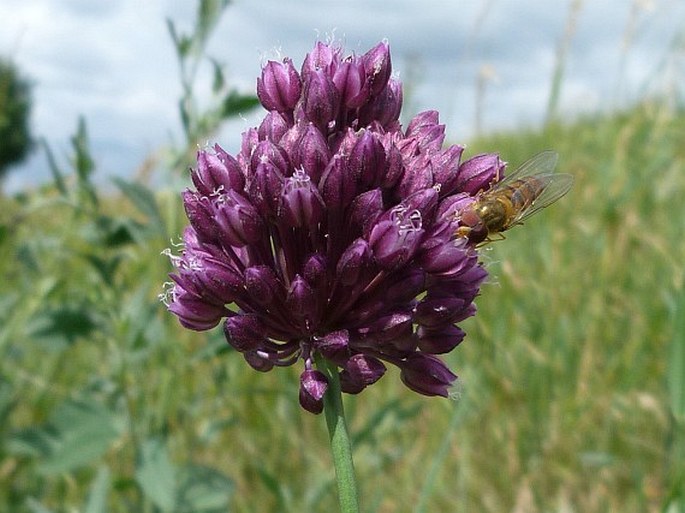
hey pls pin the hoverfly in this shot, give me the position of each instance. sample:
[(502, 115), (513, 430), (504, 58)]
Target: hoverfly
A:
[(527, 190)]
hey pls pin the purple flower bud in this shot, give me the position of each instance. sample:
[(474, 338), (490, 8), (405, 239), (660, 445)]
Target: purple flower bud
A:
[(300, 299), (366, 209), (367, 160), (273, 127), (417, 177), (258, 362), (200, 214), (322, 58), (321, 99), (245, 332), (238, 221), (217, 281), (427, 131), (311, 153), (249, 141), (479, 172), (446, 169), (353, 262), (441, 340), (384, 108), (301, 203), (194, 313), (427, 375), (265, 189), (338, 187), (378, 67), (266, 152), (436, 311), (443, 259), (313, 386), (216, 172), (334, 346), (279, 86), (393, 326), (261, 284), (360, 371), (394, 240), (314, 270), (402, 287), (350, 80), (425, 201), (394, 168)]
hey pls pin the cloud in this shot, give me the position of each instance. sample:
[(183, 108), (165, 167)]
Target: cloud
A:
[(113, 62)]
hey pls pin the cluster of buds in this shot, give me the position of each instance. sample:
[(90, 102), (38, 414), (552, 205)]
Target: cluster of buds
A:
[(331, 233)]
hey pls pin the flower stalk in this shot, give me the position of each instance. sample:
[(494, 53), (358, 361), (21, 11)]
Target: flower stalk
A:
[(341, 445)]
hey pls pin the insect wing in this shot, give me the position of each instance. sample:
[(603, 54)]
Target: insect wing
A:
[(554, 186), (541, 164)]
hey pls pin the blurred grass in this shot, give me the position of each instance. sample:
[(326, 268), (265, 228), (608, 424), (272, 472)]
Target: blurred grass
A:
[(564, 396)]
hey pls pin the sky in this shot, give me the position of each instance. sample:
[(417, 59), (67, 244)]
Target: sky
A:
[(113, 62)]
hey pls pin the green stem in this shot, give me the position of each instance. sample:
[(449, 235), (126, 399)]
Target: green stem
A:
[(341, 445)]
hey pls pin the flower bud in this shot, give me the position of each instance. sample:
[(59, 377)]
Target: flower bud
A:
[(279, 86), (384, 108), (360, 371), (265, 188), (195, 313), (301, 203), (353, 263), (366, 208), (273, 127), (427, 375), (321, 99), (311, 153), (378, 67), (200, 212), (338, 187), (350, 80), (394, 240), (300, 299), (367, 160), (446, 169), (479, 172), (439, 340), (313, 386), (334, 346), (261, 284), (216, 171), (238, 221), (245, 332)]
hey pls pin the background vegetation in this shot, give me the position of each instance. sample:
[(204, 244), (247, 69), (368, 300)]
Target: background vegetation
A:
[(572, 374)]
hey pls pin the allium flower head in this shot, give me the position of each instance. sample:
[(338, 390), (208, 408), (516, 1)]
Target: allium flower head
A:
[(332, 231)]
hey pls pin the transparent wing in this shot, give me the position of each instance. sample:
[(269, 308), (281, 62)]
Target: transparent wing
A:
[(541, 164), (554, 186)]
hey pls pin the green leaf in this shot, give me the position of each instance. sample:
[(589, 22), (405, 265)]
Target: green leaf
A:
[(676, 362), (144, 200), (97, 496), (204, 490), (84, 164), (181, 43), (84, 430), (63, 324), (57, 173), (219, 80), (235, 104), (209, 14), (156, 475)]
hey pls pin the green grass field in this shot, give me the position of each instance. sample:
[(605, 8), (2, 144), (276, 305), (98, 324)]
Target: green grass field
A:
[(571, 395)]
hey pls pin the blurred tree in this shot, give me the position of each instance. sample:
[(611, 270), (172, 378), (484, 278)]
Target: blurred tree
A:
[(15, 108)]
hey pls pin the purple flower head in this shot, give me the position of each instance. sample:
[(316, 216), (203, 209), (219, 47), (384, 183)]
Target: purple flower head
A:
[(332, 233)]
